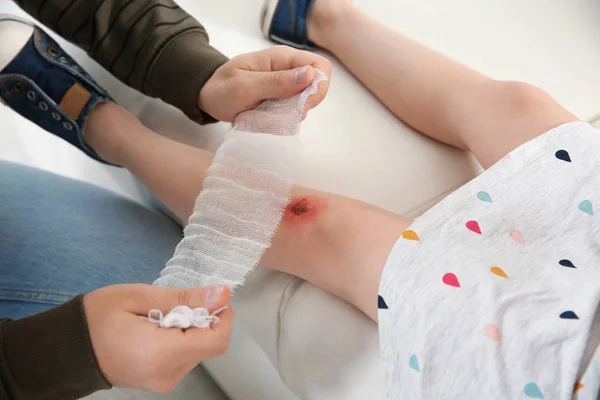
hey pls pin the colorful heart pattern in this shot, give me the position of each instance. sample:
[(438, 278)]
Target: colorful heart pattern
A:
[(586, 207), (484, 196), (410, 235), (532, 390), (414, 363), (567, 263), (517, 237), (569, 314), (473, 226), (451, 280), (493, 332), (499, 271), (563, 155), (381, 303)]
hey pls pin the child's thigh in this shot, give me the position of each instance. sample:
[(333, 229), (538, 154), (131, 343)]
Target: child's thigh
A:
[(507, 115)]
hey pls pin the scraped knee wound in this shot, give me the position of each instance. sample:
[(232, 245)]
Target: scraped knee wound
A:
[(303, 210), (246, 193)]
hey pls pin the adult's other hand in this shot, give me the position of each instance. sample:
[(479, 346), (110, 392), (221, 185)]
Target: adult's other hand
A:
[(246, 80), (135, 353)]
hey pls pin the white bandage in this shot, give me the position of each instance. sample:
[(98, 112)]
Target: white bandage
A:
[(245, 192)]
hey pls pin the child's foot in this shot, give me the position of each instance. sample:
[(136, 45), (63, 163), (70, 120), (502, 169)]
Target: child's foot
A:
[(45, 85), (302, 23)]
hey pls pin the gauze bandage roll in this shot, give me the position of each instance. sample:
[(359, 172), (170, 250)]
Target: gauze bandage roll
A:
[(244, 195)]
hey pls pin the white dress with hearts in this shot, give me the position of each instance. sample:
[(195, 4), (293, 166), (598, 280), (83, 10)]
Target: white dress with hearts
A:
[(494, 292)]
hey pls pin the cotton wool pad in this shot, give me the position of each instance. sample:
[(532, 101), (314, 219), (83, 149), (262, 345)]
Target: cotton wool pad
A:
[(245, 192), (183, 317)]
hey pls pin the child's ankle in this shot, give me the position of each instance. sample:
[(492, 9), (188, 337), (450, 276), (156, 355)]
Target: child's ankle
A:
[(325, 16), (104, 130), (19, 35)]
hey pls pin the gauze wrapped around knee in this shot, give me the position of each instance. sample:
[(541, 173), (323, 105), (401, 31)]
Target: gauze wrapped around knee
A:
[(245, 192)]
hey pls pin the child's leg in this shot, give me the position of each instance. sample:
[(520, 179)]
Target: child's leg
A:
[(431, 92), (338, 244)]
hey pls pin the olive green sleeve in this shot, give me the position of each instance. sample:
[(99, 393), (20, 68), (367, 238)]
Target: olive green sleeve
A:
[(153, 46)]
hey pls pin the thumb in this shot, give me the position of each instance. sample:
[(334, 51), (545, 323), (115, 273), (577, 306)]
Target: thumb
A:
[(281, 84)]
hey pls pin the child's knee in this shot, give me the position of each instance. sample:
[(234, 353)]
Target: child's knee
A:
[(520, 99), (510, 114)]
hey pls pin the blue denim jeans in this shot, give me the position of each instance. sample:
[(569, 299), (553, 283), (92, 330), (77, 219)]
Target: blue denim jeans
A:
[(60, 237)]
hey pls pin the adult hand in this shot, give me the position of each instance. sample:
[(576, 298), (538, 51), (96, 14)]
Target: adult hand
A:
[(247, 80), (135, 353)]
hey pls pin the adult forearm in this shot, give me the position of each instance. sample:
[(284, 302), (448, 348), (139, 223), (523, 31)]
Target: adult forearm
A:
[(153, 46), (49, 356)]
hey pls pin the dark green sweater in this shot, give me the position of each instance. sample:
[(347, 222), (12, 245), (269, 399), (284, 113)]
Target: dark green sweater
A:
[(155, 47)]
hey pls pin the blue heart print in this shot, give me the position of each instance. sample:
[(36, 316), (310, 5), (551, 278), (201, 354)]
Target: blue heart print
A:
[(567, 263), (381, 303), (414, 363), (568, 315), (563, 155), (532, 390), (586, 207), (484, 196)]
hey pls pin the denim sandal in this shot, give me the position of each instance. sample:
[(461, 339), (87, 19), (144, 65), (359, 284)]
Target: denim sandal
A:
[(46, 86), (285, 22)]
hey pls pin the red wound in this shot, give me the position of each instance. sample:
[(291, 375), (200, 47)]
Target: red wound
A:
[(303, 209)]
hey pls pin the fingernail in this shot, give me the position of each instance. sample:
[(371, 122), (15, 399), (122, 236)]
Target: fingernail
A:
[(300, 75), (213, 296)]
